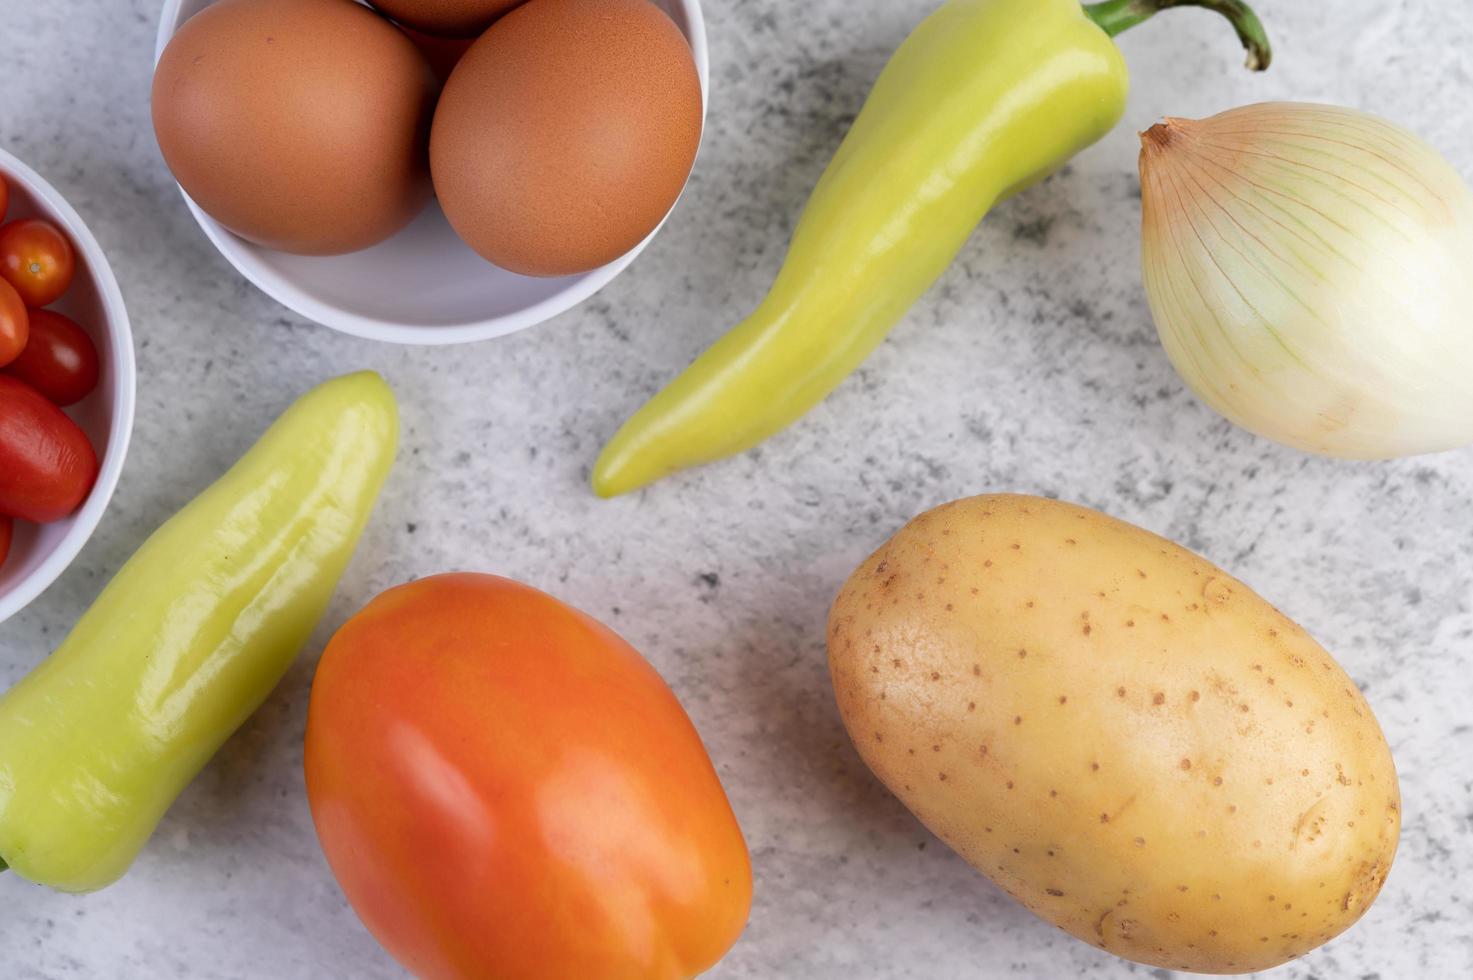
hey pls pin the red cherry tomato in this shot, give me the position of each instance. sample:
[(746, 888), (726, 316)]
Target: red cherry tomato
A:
[(7, 528), (505, 788), (47, 466), (4, 196), (15, 324), (37, 259), (59, 360)]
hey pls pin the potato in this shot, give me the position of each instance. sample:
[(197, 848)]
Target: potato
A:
[(1123, 737)]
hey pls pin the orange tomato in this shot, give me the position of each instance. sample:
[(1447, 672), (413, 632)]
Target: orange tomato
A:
[(506, 789), (37, 259), (15, 324)]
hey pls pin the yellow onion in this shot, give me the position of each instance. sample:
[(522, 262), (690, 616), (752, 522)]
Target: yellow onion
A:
[(1310, 271)]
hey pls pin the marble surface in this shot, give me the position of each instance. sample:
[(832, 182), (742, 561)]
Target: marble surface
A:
[(1032, 367)]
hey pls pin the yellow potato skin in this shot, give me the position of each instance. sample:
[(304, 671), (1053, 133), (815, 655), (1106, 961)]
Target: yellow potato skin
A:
[(1125, 738)]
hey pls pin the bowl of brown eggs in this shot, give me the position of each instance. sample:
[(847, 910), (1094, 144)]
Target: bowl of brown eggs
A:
[(430, 171)]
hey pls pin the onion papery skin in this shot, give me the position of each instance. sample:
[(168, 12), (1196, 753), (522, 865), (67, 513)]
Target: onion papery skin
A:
[(1310, 272)]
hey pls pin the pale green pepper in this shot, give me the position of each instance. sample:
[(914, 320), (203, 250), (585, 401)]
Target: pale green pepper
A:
[(187, 640), (985, 98)]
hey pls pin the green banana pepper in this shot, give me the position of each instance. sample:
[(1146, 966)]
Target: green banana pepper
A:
[(986, 98), (187, 640)]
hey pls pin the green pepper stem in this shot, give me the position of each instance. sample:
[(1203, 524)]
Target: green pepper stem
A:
[(1117, 16)]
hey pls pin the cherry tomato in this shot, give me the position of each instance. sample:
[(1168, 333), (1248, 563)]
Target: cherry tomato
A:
[(7, 528), (59, 360), (504, 788), (15, 324), (47, 466), (4, 196), (37, 259)]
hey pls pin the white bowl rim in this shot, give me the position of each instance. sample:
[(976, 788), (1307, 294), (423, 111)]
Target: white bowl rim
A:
[(292, 296), (120, 429)]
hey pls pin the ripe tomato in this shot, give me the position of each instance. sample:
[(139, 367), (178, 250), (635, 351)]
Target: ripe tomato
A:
[(47, 466), (505, 788), (37, 259), (59, 360), (7, 526), (4, 196), (15, 324)]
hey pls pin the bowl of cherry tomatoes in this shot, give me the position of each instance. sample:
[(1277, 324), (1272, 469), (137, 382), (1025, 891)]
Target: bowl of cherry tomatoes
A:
[(66, 384)]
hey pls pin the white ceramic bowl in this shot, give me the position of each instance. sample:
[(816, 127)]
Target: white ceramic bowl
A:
[(38, 554), (457, 296)]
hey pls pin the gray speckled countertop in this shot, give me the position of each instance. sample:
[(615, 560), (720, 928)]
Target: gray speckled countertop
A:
[(1033, 366)]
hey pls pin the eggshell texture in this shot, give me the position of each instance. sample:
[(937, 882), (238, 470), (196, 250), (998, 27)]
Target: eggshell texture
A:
[(1125, 738), (298, 124), (442, 54), (448, 18), (566, 133)]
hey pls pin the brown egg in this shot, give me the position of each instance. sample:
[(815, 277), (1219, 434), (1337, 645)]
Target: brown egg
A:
[(442, 53), (448, 18), (298, 124), (566, 133)]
